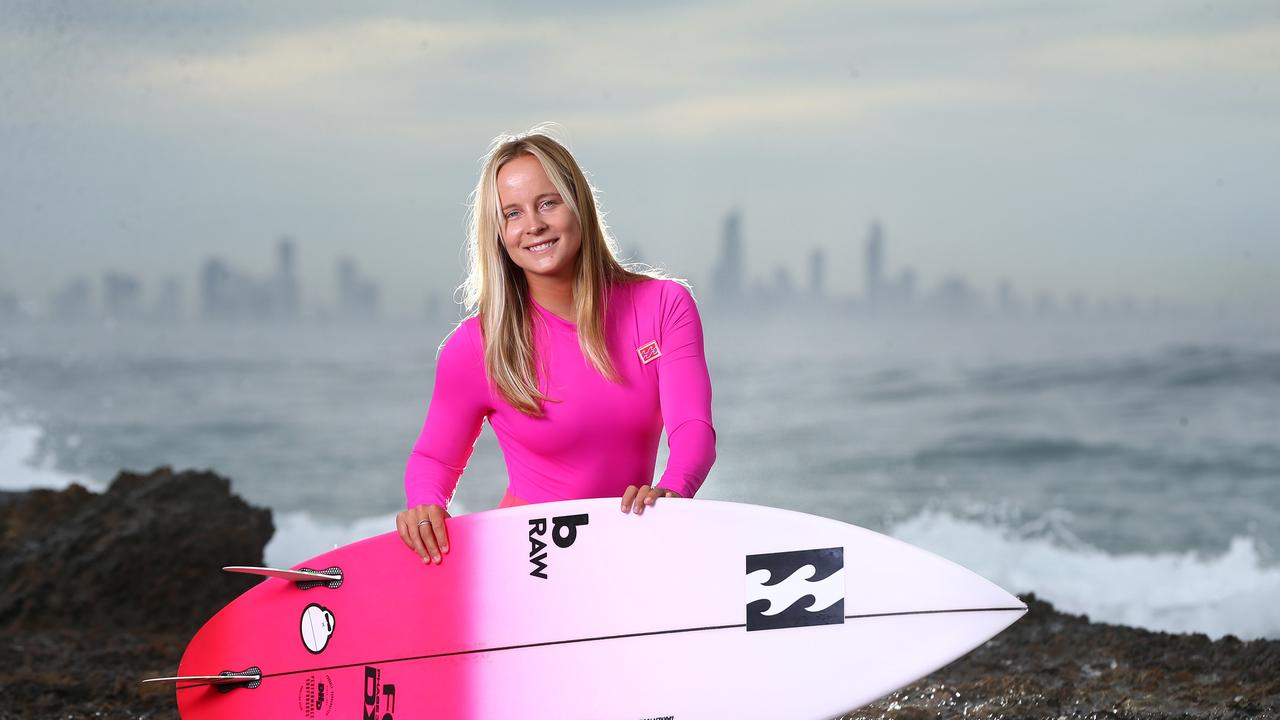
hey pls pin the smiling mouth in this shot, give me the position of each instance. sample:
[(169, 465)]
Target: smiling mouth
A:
[(542, 247)]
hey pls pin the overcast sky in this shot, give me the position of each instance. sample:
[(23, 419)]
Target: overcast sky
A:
[(1101, 147)]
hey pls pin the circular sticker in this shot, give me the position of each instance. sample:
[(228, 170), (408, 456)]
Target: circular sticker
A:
[(317, 628)]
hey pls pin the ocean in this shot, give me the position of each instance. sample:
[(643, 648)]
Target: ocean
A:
[(1129, 470)]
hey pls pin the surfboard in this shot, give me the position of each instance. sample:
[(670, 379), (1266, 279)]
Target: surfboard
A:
[(695, 609)]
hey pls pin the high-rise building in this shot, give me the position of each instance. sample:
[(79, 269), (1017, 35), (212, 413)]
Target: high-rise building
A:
[(906, 286), (228, 294), (956, 295), (1045, 304), (727, 276), (121, 296), (168, 301), (875, 263), (783, 287), (72, 302), (285, 283), (357, 295), (216, 296), (817, 273)]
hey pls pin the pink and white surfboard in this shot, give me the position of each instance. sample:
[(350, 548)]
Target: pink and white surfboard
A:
[(697, 609)]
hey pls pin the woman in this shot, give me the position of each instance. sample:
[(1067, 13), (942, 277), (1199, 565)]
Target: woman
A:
[(577, 362)]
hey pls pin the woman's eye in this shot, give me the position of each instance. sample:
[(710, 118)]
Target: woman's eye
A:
[(512, 213), (548, 202)]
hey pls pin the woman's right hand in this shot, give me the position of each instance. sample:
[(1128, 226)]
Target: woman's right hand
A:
[(422, 528)]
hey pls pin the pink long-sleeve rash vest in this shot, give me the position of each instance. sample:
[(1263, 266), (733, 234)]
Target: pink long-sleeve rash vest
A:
[(596, 437)]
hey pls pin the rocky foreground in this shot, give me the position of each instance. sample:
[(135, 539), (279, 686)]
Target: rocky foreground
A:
[(99, 590)]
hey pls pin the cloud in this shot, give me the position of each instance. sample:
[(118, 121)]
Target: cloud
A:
[(996, 118), (1247, 54), (691, 74)]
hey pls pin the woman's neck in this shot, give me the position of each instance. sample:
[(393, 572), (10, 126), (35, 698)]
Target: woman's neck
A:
[(554, 294)]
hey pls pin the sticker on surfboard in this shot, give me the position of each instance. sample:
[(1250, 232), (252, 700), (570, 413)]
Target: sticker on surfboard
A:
[(797, 588), (316, 627), (315, 696)]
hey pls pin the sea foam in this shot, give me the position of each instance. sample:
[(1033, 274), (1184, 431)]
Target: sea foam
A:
[(21, 467), (1230, 593)]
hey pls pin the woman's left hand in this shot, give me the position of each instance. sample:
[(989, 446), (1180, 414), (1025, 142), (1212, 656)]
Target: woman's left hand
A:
[(637, 497)]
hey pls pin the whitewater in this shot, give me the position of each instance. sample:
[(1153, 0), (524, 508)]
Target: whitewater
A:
[(1130, 474)]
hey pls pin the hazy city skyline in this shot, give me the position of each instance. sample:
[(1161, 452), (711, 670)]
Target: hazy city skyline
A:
[(225, 292), (1087, 148)]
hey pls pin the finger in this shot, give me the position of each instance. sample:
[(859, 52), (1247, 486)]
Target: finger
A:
[(628, 497), (428, 537), (637, 499), (411, 527), (419, 546), (403, 530), (437, 515), (641, 498)]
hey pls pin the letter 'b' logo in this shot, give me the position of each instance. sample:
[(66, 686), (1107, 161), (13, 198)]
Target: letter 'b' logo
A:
[(795, 589)]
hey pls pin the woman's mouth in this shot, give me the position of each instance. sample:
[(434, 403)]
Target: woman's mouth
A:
[(542, 247)]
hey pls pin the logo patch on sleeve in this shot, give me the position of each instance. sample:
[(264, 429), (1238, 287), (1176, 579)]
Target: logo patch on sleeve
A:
[(795, 589), (649, 352)]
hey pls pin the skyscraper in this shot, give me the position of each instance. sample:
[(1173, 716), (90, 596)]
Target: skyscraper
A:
[(121, 295), (727, 276), (357, 295), (216, 294), (875, 263), (817, 273), (285, 283), (72, 302)]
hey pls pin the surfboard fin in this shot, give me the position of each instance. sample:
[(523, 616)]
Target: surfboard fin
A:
[(228, 678), (304, 578)]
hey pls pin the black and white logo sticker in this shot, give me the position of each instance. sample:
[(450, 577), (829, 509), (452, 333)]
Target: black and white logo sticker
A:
[(795, 589), (317, 628), (564, 531), (315, 697)]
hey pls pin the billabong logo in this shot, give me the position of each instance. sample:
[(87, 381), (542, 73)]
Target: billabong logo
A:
[(317, 628), (795, 589), (649, 352), (564, 531)]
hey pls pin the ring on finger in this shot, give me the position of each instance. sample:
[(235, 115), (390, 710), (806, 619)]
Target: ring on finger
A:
[(424, 522)]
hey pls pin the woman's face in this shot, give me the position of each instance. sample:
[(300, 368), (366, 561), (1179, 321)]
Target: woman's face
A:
[(539, 231)]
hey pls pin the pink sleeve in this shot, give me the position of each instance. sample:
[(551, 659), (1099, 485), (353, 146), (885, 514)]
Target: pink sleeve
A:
[(684, 391), (458, 407)]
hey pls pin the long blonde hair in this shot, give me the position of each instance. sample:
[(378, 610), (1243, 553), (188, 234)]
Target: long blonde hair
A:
[(496, 290)]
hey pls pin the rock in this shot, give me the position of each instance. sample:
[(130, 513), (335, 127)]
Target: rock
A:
[(1052, 664), (145, 555), (102, 590)]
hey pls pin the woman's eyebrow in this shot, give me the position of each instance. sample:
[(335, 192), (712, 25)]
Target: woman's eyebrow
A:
[(511, 205)]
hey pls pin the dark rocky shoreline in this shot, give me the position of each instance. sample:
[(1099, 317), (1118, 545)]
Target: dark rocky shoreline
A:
[(100, 590)]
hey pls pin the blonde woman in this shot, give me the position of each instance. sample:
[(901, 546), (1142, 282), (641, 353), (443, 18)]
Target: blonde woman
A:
[(577, 362)]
